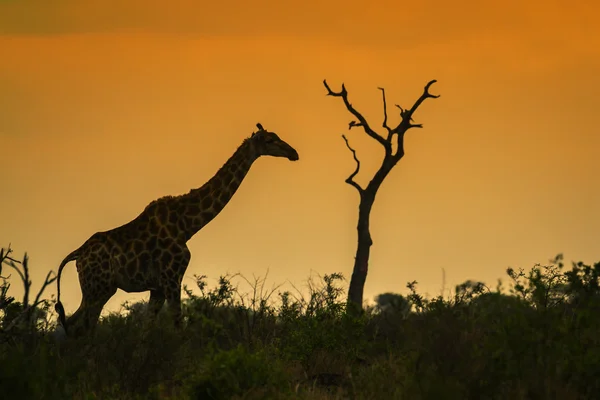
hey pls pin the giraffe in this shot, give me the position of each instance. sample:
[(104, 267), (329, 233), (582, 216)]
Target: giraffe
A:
[(150, 252)]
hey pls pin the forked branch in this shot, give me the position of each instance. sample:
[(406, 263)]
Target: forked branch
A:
[(403, 112), (362, 121), (48, 281), (22, 268), (5, 258), (350, 180), (407, 114)]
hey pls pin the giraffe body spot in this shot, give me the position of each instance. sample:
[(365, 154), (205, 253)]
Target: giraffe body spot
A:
[(206, 202)]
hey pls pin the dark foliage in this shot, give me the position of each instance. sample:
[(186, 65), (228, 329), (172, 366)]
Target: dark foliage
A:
[(539, 340)]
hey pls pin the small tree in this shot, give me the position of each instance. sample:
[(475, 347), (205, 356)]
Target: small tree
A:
[(368, 193), (23, 314)]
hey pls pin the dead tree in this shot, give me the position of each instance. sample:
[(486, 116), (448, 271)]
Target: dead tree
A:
[(368, 193)]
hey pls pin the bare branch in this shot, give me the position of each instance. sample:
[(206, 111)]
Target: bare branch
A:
[(350, 179), (12, 259), (353, 124), (28, 313), (407, 114), (385, 125), (362, 121), (6, 258), (47, 281), (13, 265), (403, 112), (26, 281)]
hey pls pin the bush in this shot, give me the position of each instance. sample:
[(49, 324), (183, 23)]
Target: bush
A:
[(238, 372), (538, 339)]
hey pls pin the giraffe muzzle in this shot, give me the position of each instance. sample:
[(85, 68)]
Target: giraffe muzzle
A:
[(293, 156)]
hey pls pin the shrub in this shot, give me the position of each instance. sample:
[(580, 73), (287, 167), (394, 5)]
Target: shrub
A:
[(538, 339)]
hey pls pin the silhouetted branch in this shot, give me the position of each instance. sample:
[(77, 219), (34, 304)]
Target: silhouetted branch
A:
[(385, 125), (350, 179), (6, 258), (407, 114), (28, 311), (11, 262), (1, 260), (362, 121), (352, 124), (26, 280), (48, 281), (402, 112)]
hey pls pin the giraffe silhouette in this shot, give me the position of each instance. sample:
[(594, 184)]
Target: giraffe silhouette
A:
[(150, 252)]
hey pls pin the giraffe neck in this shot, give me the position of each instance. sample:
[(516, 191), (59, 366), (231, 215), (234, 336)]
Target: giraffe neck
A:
[(202, 205)]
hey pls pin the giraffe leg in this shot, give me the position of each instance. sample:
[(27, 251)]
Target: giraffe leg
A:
[(156, 302), (172, 276), (174, 303), (85, 319), (95, 309), (74, 321), (96, 290)]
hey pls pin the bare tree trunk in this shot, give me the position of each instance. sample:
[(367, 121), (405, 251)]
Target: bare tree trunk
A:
[(367, 194), (363, 251)]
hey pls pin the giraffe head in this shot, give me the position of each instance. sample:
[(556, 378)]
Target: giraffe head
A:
[(266, 143)]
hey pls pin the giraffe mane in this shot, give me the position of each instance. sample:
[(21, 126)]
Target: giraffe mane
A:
[(171, 197), (160, 200)]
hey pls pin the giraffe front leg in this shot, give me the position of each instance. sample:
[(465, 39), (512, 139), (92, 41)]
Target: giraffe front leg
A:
[(174, 304), (172, 277), (156, 302)]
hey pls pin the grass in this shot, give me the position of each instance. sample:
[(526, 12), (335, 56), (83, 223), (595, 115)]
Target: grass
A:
[(537, 340)]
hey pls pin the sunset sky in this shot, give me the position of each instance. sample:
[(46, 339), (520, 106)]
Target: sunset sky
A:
[(108, 105)]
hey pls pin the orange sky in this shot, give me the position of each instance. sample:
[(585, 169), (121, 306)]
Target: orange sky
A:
[(107, 105)]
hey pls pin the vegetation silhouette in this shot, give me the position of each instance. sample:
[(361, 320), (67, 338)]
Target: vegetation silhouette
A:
[(537, 339)]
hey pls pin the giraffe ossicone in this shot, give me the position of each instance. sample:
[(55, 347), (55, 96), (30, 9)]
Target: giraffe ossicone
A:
[(150, 252)]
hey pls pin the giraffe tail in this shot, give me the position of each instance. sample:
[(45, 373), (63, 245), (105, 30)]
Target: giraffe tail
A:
[(59, 307)]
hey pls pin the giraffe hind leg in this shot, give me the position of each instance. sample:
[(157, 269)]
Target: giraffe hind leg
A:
[(96, 308), (72, 326), (95, 295), (97, 287), (85, 319)]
